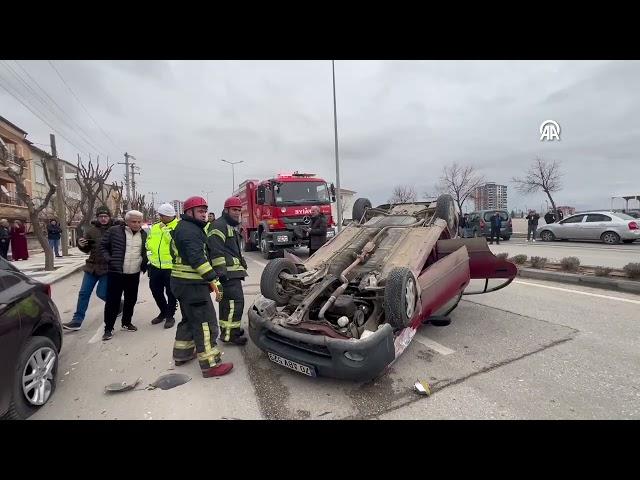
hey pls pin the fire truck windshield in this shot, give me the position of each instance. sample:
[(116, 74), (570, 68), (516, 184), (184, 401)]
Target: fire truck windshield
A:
[(295, 193)]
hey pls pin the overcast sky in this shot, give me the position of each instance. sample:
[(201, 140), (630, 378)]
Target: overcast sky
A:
[(399, 122)]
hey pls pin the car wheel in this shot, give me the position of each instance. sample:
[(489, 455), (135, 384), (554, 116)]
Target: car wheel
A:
[(400, 297), (610, 238), (446, 210), (547, 236), (270, 282), (359, 207), (35, 377)]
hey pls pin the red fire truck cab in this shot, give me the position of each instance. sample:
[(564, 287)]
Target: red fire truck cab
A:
[(275, 211)]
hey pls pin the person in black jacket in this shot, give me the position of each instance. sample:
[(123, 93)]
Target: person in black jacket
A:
[(123, 248), (532, 225), (317, 230), (53, 235), (496, 224), (549, 217), (5, 237), (223, 241)]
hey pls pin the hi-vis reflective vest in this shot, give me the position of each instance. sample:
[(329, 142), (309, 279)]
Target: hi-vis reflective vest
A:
[(189, 252), (159, 244), (224, 248)]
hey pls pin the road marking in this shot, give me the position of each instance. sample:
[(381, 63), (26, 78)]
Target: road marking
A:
[(98, 335), (608, 297), (433, 345)]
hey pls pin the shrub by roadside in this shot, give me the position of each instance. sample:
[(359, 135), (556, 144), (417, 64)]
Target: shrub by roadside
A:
[(633, 270), (570, 264), (538, 262)]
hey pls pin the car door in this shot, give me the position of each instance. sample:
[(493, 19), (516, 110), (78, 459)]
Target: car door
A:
[(10, 341), (595, 225), (570, 227)]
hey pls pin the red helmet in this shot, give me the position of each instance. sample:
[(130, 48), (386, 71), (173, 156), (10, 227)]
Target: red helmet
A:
[(233, 202), (194, 202)]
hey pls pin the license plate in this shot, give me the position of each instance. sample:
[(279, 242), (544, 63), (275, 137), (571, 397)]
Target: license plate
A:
[(309, 371), (330, 234)]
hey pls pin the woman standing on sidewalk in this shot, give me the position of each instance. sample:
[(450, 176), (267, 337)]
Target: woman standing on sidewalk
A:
[(19, 249)]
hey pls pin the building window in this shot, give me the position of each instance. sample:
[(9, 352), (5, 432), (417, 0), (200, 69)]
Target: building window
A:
[(39, 173)]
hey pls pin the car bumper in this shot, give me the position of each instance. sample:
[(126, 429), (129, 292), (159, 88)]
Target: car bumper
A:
[(630, 235), (324, 355)]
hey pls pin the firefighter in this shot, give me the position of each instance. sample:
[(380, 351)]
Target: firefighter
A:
[(192, 280), (231, 268)]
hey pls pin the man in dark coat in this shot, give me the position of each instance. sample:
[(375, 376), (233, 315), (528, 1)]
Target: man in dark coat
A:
[(53, 235), (317, 230)]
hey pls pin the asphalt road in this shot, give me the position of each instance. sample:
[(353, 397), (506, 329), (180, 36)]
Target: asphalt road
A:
[(532, 350), (589, 253)]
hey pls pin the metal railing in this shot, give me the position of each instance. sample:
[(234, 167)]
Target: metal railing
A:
[(11, 200)]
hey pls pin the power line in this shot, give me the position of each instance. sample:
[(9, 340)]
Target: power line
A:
[(58, 105), (29, 89), (81, 150), (81, 104)]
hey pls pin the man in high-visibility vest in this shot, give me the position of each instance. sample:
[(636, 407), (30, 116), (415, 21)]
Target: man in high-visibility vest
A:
[(160, 264), (231, 267), (192, 281)]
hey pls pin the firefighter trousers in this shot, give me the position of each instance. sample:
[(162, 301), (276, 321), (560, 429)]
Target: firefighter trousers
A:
[(198, 329), (231, 308)]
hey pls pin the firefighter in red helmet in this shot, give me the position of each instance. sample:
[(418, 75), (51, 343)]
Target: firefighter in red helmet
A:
[(231, 268), (192, 281)]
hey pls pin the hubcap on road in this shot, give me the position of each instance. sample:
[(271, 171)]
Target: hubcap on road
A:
[(37, 377), (410, 296)]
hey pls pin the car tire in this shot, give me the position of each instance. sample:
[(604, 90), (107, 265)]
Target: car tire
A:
[(610, 238), (360, 206), (20, 406), (446, 210), (400, 297), (270, 286), (547, 236)]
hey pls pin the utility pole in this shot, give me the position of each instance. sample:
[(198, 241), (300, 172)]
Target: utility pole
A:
[(335, 129), (126, 178), (153, 204), (133, 177), (61, 210)]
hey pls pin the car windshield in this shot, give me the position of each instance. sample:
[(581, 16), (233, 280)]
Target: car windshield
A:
[(296, 193), (503, 215)]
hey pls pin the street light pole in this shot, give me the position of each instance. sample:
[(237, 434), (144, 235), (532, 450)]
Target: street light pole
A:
[(207, 194), (233, 172), (335, 129)]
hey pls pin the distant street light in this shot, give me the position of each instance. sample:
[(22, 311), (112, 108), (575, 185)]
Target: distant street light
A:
[(233, 172), (207, 194)]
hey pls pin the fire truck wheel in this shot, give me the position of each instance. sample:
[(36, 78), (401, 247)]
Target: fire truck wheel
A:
[(265, 248)]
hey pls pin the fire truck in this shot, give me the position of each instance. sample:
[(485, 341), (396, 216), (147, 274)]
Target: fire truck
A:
[(275, 211)]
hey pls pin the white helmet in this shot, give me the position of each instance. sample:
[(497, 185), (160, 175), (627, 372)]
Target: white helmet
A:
[(167, 210)]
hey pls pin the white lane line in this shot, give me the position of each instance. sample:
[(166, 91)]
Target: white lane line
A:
[(98, 335), (608, 297), (433, 345)]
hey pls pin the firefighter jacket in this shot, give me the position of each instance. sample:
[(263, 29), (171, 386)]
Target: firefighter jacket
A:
[(223, 241), (189, 252)]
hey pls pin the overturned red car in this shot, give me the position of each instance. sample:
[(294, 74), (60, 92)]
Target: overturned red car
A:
[(353, 307)]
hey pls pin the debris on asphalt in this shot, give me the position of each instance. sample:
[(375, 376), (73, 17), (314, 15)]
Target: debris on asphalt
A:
[(68, 372), (169, 381), (122, 386), (75, 363), (422, 387), (324, 413)]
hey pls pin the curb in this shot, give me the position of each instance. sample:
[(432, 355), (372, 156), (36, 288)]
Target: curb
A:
[(62, 276), (627, 286)]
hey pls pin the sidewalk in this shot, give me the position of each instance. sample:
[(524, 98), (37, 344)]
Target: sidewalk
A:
[(34, 267)]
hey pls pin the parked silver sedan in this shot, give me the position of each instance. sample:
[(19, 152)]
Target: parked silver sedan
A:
[(608, 227)]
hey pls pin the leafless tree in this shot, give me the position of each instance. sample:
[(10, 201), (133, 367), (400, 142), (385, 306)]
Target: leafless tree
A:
[(542, 175), (14, 167), (92, 180), (403, 194), (460, 181), (139, 203)]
